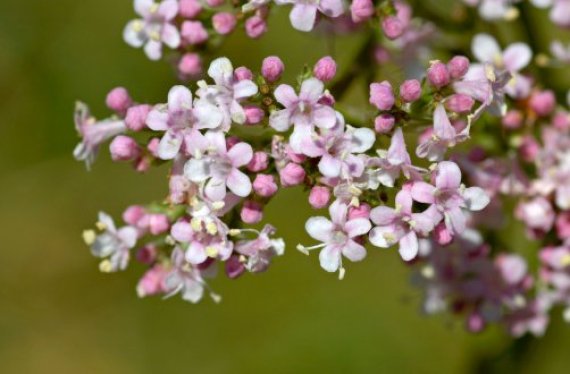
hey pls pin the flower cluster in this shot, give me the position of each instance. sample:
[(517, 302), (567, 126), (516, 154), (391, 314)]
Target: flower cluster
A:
[(490, 144)]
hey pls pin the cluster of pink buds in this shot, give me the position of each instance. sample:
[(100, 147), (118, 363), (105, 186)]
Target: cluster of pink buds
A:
[(490, 145)]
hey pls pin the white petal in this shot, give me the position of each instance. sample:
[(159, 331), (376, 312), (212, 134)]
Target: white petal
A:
[(517, 56), (239, 183), (485, 48), (475, 198), (221, 70), (319, 228), (409, 246), (303, 16), (280, 120), (244, 88), (330, 258), (169, 146), (179, 98), (354, 251)]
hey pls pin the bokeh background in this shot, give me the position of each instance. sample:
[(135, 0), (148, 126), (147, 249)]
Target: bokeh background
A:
[(58, 314)]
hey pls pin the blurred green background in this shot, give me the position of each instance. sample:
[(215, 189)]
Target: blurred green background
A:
[(58, 314)]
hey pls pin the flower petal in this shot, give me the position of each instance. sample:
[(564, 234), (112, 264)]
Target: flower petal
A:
[(354, 251), (383, 215), (409, 246), (319, 228), (356, 227), (169, 145), (475, 198), (179, 98), (422, 192), (448, 175), (280, 120), (330, 258), (485, 48), (240, 154), (303, 16), (239, 183), (517, 56)]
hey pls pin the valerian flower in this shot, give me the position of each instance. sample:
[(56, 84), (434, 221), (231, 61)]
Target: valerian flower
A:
[(181, 122), (93, 133), (154, 28), (184, 278), (444, 136), (303, 110), (513, 59), (495, 9), (338, 236), (259, 252), (304, 13), (227, 92), (219, 168), (112, 244), (450, 197), (400, 225)]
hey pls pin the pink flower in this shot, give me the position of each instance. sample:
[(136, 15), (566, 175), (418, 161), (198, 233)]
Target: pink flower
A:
[(337, 236), (537, 214), (559, 12), (304, 13), (112, 243), (264, 185), (181, 122), (513, 59), (449, 197), (303, 110), (444, 136), (93, 133), (184, 279), (227, 92), (382, 96), (154, 28), (400, 225), (260, 251), (271, 68), (152, 282)]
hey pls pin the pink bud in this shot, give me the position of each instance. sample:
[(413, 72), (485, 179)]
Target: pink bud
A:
[(136, 117), (264, 185), (442, 235), (563, 225), (361, 10), (234, 267), (251, 212), (152, 146), (325, 69), (477, 154), (361, 211), (119, 100), (381, 55), (393, 27), (459, 103), (561, 120), (243, 73), (410, 90), (189, 8), (231, 141), (327, 99), (193, 32), (295, 157), (543, 103), (253, 114), (158, 223), (147, 254), (475, 322), (438, 75), (133, 214), (381, 95), (215, 3), (384, 123), (529, 148), (319, 197), (124, 148), (152, 282), (190, 64), (258, 162), (255, 27), (224, 22), (458, 66), (291, 175), (272, 68), (512, 120)]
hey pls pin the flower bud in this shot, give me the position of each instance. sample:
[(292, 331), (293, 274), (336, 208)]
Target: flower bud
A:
[(234, 267), (291, 175), (512, 120), (152, 282), (272, 68), (119, 100), (243, 73), (224, 22), (147, 254), (384, 123), (136, 117), (251, 212), (190, 64), (189, 8), (193, 32), (152, 146), (458, 67), (295, 157), (361, 10), (475, 322), (393, 27), (410, 90), (381, 95), (264, 185), (258, 162), (253, 114), (319, 197), (215, 3), (361, 211), (255, 27), (543, 103), (325, 69), (442, 235), (561, 120), (124, 148), (438, 75), (459, 103), (157, 223), (133, 214), (563, 225), (529, 149)]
